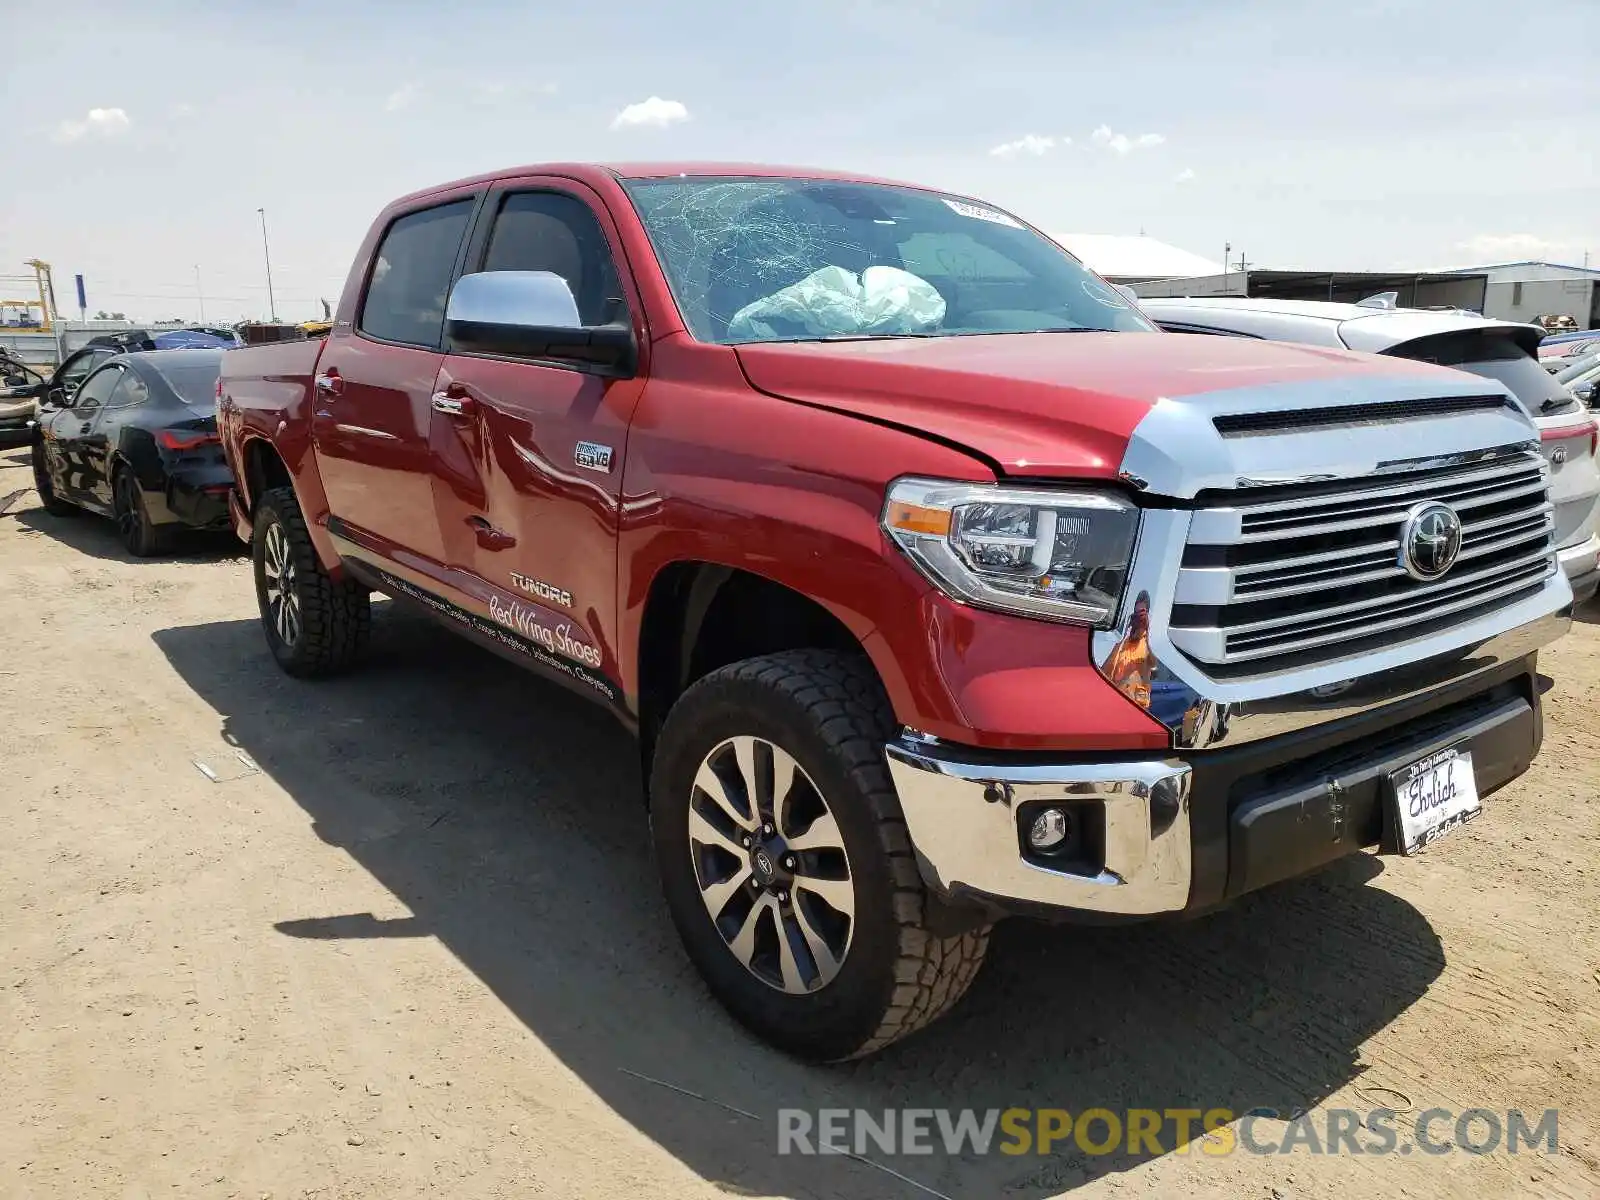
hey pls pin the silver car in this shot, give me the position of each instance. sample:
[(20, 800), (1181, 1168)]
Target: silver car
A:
[(1499, 350)]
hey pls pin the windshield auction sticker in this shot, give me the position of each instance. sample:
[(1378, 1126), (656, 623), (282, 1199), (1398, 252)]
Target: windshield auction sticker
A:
[(979, 213)]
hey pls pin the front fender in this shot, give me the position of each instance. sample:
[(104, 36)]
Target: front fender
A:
[(719, 474)]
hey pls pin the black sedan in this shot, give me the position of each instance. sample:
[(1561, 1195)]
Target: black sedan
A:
[(137, 442)]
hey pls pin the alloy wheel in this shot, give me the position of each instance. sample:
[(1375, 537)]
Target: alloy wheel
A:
[(771, 865), (128, 512), (283, 598)]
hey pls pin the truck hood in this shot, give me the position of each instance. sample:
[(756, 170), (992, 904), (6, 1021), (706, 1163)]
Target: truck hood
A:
[(1058, 404)]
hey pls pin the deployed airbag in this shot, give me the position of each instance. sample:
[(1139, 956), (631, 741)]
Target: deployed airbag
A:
[(834, 301)]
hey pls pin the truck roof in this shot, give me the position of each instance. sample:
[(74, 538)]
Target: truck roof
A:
[(588, 172)]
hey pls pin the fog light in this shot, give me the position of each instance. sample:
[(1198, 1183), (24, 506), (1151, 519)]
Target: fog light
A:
[(1049, 829)]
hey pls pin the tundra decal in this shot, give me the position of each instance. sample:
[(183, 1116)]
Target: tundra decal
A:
[(541, 590), (551, 640)]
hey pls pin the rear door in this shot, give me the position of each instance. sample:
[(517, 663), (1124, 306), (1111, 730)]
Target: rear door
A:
[(528, 478), (105, 436), (373, 393)]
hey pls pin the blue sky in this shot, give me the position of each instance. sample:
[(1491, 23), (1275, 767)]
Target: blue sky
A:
[(1386, 133)]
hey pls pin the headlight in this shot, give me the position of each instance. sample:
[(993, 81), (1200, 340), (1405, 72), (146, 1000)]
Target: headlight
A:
[(1062, 556)]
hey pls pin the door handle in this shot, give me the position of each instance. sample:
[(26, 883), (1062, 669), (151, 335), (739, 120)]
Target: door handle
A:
[(453, 402), (329, 383), (488, 536)]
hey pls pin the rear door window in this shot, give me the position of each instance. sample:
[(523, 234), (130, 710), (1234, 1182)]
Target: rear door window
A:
[(131, 391), (410, 279), (1496, 357)]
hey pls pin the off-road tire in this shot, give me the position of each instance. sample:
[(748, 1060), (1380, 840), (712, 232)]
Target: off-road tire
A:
[(828, 711), (335, 616), (52, 503)]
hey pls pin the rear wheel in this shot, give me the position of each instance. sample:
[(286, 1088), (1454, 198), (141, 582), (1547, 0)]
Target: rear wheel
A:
[(315, 625), (785, 861), (53, 504), (141, 537)]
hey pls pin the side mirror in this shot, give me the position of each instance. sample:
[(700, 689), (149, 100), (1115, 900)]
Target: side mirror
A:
[(532, 314), (55, 398)]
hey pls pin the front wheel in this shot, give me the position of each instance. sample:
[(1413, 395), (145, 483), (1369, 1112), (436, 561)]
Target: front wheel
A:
[(315, 625), (42, 483), (785, 861)]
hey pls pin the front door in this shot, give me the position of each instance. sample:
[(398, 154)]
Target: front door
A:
[(372, 395), (528, 475), (77, 473)]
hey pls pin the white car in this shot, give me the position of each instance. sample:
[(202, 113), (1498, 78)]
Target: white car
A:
[(1499, 350)]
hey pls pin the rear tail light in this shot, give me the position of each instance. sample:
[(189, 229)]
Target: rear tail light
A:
[(186, 439)]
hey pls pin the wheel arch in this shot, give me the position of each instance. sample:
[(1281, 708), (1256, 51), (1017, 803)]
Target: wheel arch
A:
[(701, 615), (265, 467)]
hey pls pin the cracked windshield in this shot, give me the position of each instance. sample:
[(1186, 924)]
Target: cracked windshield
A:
[(778, 259)]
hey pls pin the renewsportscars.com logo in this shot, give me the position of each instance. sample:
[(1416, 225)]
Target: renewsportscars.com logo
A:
[(1150, 1131)]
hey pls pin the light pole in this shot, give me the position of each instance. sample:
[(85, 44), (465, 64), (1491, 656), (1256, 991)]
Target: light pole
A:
[(272, 305), (200, 292)]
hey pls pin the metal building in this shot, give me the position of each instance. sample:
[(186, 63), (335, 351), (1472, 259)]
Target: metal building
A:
[(1520, 291)]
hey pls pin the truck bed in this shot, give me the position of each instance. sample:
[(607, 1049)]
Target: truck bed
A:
[(274, 365)]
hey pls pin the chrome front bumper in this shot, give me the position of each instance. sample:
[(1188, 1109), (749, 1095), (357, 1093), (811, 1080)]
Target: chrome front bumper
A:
[(1184, 830), (967, 819)]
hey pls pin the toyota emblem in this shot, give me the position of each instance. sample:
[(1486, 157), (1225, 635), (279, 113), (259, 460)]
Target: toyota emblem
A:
[(1430, 541), (765, 868)]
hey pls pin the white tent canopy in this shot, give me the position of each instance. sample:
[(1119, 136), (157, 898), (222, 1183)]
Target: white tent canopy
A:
[(1123, 258)]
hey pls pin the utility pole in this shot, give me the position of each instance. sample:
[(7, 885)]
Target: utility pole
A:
[(1227, 250), (272, 305), (200, 292)]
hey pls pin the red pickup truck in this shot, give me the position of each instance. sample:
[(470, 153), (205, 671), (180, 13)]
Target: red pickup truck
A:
[(937, 585)]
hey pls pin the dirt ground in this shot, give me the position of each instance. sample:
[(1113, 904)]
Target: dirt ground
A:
[(411, 944)]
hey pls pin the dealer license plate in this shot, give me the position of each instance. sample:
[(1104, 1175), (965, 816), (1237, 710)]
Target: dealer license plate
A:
[(1434, 796)]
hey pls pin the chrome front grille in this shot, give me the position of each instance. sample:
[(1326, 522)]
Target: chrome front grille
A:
[(1299, 574)]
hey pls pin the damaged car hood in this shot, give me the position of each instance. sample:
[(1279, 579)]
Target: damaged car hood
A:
[(1052, 404)]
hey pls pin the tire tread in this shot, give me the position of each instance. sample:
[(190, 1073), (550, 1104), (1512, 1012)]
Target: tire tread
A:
[(843, 698), (335, 616)]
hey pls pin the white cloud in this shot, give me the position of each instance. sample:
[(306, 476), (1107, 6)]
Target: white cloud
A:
[(1121, 143), (1028, 143), (179, 112), (402, 97), (1184, 176), (654, 113), (102, 122)]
